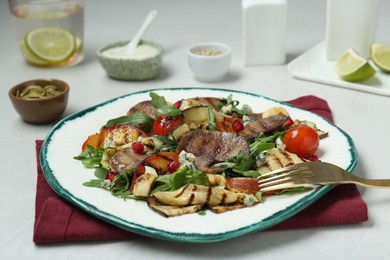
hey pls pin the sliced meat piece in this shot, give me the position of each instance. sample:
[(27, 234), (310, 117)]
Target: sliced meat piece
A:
[(144, 107), (126, 159), (264, 125), (211, 147)]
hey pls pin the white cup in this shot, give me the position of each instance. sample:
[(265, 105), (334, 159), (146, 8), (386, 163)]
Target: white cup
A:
[(209, 61)]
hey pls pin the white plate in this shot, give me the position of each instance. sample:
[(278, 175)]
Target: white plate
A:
[(66, 175), (313, 66)]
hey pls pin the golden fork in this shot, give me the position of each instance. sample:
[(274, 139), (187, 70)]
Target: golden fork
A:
[(314, 173)]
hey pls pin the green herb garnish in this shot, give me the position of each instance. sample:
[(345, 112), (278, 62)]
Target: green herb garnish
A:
[(211, 121), (139, 120), (91, 157), (162, 105), (181, 177)]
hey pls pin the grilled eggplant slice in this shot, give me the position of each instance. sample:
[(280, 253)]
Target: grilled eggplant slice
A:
[(276, 159), (143, 184), (192, 194), (171, 211)]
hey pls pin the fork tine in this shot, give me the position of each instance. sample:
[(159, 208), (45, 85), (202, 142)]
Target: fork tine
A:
[(283, 178), (288, 177), (263, 179)]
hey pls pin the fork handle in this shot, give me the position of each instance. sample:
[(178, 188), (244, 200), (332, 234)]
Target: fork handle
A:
[(369, 183)]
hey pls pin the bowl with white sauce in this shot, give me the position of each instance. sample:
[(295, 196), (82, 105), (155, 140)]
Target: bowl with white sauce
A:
[(143, 63)]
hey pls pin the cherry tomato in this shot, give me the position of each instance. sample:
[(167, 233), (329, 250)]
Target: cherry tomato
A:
[(164, 125), (301, 140), (242, 184), (110, 176), (177, 104)]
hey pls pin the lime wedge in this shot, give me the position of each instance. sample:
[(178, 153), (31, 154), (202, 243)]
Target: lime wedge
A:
[(51, 44), (353, 67), (380, 55)]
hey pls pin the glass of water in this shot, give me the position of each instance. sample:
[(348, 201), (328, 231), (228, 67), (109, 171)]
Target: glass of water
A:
[(49, 32)]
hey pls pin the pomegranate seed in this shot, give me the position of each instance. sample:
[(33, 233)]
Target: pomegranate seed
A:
[(173, 166), (138, 148), (110, 176), (177, 104), (311, 157), (288, 123), (237, 126)]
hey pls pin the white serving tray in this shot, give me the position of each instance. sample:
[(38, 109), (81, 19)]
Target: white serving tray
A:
[(312, 65)]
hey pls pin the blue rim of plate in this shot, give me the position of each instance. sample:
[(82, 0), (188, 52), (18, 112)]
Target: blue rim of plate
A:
[(266, 223)]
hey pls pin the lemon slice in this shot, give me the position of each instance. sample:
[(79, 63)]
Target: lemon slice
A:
[(51, 44), (380, 55), (353, 67)]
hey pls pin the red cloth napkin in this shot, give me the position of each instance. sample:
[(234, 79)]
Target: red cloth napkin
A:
[(58, 221)]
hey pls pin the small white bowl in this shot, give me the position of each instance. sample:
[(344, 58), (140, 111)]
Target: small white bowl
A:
[(209, 61)]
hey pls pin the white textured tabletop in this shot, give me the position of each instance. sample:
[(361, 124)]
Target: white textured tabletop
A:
[(364, 116)]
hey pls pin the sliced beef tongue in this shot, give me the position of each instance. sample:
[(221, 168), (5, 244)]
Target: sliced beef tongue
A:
[(212, 147), (126, 159), (263, 125), (144, 107)]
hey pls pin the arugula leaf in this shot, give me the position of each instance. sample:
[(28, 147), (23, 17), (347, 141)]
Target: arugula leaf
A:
[(101, 173), (169, 145), (242, 165), (162, 105), (120, 183), (231, 106), (90, 157), (139, 120), (211, 121), (119, 186), (96, 183), (181, 177)]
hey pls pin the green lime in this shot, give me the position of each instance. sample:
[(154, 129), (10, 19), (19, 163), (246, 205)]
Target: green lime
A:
[(29, 56), (353, 67), (380, 55), (51, 44)]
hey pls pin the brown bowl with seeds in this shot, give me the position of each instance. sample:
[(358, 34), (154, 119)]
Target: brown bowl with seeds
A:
[(40, 101)]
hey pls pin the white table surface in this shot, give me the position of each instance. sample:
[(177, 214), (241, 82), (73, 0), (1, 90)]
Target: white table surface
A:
[(179, 24)]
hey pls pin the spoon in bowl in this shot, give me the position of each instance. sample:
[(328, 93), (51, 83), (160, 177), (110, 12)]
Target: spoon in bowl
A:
[(135, 41)]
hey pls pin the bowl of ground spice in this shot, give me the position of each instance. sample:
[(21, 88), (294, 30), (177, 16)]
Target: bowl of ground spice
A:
[(209, 62), (40, 101)]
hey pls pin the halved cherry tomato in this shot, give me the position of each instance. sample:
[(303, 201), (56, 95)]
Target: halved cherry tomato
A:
[(118, 135), (242, 184), (164, 125), (159, 161), (301, 140)]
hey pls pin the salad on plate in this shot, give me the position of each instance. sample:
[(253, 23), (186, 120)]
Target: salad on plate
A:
[(196, 154)]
